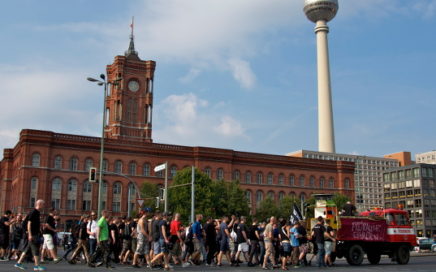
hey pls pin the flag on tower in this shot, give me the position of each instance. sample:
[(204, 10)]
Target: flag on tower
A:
[(132, 24)]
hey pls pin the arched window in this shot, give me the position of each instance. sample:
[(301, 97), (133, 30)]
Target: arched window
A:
[(281, 179), (302, 197), (146, 170), (74, 163), (116, 199), (104, 187), (301, 181), (292, 180), (270, 178), (259, 198), (281, 195), (132, 197), (271, 195), (331, 183), (88, 164), (105, 165), (220, 174), (321, 182), (118, 166), (57, 162), (248, 177), (87, 187), (208, 172), (259, 178), (236, 175), (71, 194), (33, 191), (36, 160), (248, 196), (132, 168), (56, 188), (173, 171), (293, 195), (347, 183), (312, 181)]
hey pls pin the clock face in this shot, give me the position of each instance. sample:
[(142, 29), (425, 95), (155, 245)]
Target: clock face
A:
[(133, 85)]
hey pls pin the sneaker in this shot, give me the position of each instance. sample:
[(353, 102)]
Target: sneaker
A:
[(20, 266), (99, 264), (57, 260), (38, 268), (184, 265)]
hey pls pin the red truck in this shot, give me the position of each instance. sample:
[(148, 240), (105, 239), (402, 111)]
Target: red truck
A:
[(376, 232)]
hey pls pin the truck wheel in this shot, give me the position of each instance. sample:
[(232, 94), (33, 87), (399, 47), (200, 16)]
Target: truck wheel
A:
[(355, 255), (403, 254), (373, 257)]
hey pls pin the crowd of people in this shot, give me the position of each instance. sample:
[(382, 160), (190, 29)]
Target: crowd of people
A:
[(159, 240)]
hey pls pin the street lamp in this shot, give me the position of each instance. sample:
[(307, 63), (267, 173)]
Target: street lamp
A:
[(104, 83)]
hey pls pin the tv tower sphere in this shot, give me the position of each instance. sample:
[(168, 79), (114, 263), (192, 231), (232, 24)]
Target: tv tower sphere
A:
[(317, 10)]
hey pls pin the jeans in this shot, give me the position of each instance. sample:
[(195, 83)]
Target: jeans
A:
[(321, 254), (92, 245), (254, 250)]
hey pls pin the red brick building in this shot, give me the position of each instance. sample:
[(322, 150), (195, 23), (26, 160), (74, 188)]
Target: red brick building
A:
[(54, 166)]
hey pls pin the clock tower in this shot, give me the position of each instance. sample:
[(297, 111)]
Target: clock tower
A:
[(129, 102)]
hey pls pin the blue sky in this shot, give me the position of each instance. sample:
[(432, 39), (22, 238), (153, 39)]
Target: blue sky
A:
[(230, 74)]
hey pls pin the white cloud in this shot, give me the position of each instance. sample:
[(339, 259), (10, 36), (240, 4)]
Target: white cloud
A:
[(190, 76), (242, 72), (189, 120)]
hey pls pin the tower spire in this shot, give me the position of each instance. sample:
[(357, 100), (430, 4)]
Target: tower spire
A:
[(131, 53)]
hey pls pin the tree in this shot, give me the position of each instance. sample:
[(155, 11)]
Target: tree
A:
[(340, 200), (286, 206), (266, 209), (149, 192)]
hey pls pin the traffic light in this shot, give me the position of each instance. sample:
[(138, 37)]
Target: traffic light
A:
[(92, 174)]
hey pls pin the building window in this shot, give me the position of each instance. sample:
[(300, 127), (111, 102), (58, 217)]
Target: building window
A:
[(321, 182), (347, 183), (56, 203), (105, 165), (301, 181), (270, 179), (104, 187), (281, 179), (87, 187), (86, 205), (118, 166), (281, 195), (236, 175), (72, 185), (292, 180), (71, 204), (331, 183), (34, 184), (208, 172), (302, 198), (220, 174), (36, 159), (312, 181), (173, 171), (58, 162), (88, 164), (146, 170), (33, 191), (56, 185), (74, 162), (271, 195), (259, 198), (259, 178), (116, 206), (248, 177), (132, 168), (117, 188), (248, 196)]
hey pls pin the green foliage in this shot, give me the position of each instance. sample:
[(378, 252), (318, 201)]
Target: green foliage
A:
[(310, 207), (149, 192), (340, 200), (286, 206), (266, 209)]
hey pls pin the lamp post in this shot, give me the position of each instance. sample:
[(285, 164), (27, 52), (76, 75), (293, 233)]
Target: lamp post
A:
[(104, 83)]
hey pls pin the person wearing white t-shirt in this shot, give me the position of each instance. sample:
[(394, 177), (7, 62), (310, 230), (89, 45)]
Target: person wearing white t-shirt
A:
[(92, 230)]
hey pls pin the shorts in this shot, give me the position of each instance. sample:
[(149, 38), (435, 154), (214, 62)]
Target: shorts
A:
[(48, 242), (328, 247), (176, 250), (243, 247), (304, 248), (285, 249), (224, 245), (127, 245), (163, 246), (4, 241), (33, 246), (156, 247), (142, 246), (269, 247)]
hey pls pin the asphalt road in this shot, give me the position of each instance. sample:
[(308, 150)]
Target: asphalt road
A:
[(417, 263)]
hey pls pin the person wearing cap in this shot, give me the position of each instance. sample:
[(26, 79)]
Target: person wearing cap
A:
[(82, 239), (142, 246)]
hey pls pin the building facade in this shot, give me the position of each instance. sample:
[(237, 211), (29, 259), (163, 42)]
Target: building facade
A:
[(54, 166), (368, 175), (426, 157), (413, 188)]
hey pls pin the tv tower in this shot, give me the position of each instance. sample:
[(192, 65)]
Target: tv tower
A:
[(320, 12)]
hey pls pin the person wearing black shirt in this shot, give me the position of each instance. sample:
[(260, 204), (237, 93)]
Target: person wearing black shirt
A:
[(241, 240), (211, 244), (48, 232), (4, 233), (82, 240), (115, 245), (33, 229), (253, 237), (348, 209), (164, 236), (304, 247), (328, 245), (318, 232)]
